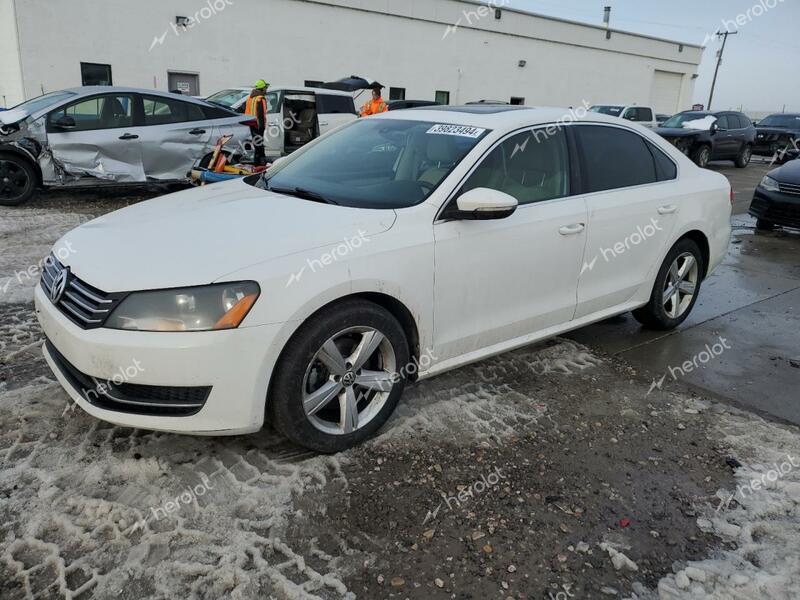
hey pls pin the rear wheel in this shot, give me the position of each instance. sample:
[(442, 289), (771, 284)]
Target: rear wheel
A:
[(17, 180), (340, 377), (702, 156), (764, 225), (743, 159), (676, 288)]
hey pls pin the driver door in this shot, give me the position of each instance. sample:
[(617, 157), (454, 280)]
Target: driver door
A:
[(498, 280), (95, 137)]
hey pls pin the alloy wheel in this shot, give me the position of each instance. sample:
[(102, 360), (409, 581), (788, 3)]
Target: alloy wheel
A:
[(349, 380), (681, 285), (703, 158), (13, 180)]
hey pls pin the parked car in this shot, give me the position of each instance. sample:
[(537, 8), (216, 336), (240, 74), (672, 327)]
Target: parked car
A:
[(296, 115), (777, 133), (643, 115), (404, 104), (106, 135), (777, 198), (705, 136), (310, 294), (661, 119)]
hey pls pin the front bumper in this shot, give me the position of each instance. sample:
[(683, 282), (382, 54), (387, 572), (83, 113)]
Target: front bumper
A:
[(223, 374), (776, 207)]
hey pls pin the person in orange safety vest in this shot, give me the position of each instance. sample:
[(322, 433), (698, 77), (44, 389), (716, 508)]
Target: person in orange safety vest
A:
[(256, 106), (376, 105)]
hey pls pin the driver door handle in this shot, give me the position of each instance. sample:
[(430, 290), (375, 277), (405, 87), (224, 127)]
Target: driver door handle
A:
[(667, 210), (197, 131), (129, 136), (572, 229)]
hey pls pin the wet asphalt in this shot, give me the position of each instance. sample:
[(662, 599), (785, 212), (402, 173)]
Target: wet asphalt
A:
[(741, 345)]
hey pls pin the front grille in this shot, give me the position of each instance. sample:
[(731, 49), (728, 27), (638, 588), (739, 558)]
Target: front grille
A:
[(790, 188), (131, 398), (83, 304)]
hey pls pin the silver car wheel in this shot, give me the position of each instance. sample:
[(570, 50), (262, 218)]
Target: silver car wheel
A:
[(349, 380), (681, 285)]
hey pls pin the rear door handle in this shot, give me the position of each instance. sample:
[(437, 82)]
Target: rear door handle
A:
[(129, 136), (572, 229), (323, 123), (197, 131), (667, 210)]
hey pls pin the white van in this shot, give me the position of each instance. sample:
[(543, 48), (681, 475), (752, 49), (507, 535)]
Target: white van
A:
[(643, 115), (296, 114)]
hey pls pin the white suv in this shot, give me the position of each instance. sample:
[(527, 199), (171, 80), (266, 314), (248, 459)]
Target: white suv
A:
[(643, 115), (398, 247), (296, 115)]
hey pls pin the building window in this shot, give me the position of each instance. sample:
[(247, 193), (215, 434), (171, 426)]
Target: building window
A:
[(313, 83), (443, 97), (397, 93), (517, 101), (95, 74)]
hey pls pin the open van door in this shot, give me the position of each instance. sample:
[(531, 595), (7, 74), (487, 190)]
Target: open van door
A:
[(300, 123)]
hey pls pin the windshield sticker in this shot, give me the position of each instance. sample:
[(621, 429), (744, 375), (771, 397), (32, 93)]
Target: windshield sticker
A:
[(459, 130)]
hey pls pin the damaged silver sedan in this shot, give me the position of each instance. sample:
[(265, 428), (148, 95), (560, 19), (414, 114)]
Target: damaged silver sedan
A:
[(107, 135)]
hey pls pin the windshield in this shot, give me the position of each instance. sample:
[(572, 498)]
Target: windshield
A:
[(782, 121), (614, 111), (34, 105), (375, 163), (229, 98), (691, 120)]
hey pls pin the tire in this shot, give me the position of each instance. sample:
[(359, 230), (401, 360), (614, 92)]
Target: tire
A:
[(655, 315), (17, 179), (702, 156), (309, 396), (764, 225), (743, 159)]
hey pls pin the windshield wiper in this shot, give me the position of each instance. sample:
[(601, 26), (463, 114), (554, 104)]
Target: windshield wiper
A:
[(302, 193)]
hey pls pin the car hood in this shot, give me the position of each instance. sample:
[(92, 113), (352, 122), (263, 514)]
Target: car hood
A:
[(198, 236), (9, 117), (788, 173), (771, 130), (678, 132)]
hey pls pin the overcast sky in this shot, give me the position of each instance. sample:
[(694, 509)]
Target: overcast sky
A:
[(761, 67)]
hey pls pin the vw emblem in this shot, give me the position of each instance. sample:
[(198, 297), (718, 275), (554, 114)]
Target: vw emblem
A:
[(59, 285), (349, 379)]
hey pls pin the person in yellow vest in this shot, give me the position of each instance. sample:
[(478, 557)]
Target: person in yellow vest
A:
[(376, 105), (256, 106)]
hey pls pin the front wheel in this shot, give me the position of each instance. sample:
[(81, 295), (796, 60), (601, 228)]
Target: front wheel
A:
[(340, 377), (764, 225), (702, 156), (17, 180), (676, 288)]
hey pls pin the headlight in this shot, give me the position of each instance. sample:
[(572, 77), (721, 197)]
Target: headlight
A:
[(206, 308), (769, 184)]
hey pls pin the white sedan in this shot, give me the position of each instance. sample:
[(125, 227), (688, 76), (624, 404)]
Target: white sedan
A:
[(392, 249)]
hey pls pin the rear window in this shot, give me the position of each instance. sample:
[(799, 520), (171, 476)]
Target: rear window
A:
[(159, 110), (615, 158), (331, 104)]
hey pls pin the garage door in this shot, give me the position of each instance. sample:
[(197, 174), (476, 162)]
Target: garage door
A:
[(665, 96)]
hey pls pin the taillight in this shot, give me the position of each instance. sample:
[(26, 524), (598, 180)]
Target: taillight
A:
[(250, 123)]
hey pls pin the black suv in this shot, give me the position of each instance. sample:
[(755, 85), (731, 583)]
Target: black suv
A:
[(777, 135), (705, 136), (777, 198)]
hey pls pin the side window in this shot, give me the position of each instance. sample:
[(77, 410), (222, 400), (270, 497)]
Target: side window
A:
[(614, 158), (273, 102), (159, 110), (665, 168), (645, 114), (532, 167), (724, 123), (631, 114), (746, 122), (332, 105), (101, 112)]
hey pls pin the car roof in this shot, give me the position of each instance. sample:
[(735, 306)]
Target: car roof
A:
[(293, 88), (497, 117), (90, 90)]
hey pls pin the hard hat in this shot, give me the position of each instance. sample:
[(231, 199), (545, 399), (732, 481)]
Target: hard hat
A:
[(261, 84)]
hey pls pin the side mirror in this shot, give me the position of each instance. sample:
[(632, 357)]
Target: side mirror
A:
[(65, 122), (483, 204)]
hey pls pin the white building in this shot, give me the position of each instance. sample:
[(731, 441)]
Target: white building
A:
[(451, 50)]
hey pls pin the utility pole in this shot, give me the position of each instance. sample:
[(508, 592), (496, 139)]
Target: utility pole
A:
[(724, 35)]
